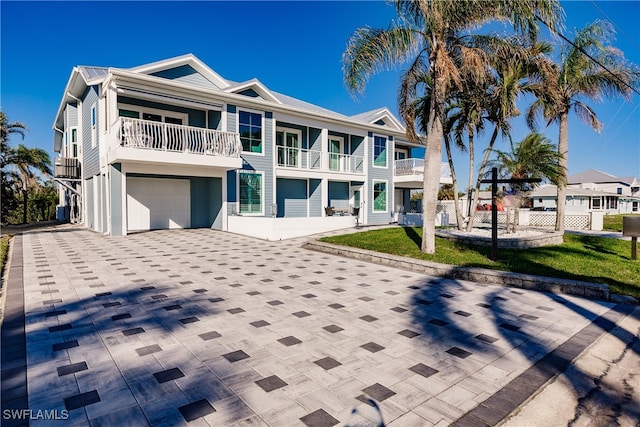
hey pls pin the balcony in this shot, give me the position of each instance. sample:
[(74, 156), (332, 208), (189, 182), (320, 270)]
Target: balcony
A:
[(66, 168), (312, 160), (158, 142), (409, 173)]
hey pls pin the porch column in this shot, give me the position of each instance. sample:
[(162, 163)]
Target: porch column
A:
[(325, 195)]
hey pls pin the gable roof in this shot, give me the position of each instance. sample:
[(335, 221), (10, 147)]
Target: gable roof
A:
[(596, 176), (188, 59), (256, 86), (379, 115)]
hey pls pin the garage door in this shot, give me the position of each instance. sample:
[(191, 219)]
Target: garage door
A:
[(158, 203)]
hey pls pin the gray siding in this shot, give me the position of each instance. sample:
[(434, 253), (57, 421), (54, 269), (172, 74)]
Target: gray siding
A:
[(315, 197), (72, 114), (291, 196), (116, 199), (186, 74), (91, 156), (357, 145)]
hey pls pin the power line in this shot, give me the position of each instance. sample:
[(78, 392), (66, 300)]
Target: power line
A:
[(588, 55), (614, 24)]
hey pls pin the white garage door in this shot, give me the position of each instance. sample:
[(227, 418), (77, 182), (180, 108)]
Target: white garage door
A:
[(158, 203)]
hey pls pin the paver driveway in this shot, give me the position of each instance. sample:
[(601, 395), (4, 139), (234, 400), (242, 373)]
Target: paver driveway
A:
[(210, 328)]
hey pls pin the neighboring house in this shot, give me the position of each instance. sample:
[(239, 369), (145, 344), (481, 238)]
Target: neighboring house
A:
[(172, 144), (584, 199)]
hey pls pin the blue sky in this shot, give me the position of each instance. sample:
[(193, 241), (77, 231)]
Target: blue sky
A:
[(293, 47)]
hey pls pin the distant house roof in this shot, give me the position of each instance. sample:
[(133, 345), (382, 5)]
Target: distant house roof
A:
[(598, 177)]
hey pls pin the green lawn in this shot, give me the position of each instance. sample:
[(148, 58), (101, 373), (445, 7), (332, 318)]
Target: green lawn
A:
[(614, 222), (4, 250), (588, 258)]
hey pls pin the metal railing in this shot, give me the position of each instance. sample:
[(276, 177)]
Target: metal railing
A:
[(409, 167), (145, 134), (299, 158)]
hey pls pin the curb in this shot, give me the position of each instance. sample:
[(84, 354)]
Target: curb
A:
[(525, 281)]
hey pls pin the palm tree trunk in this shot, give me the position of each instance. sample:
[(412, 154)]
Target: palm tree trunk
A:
[(483, 165), (563, 150), (454, 180), (472, 161), (432, 161), (25, 204)]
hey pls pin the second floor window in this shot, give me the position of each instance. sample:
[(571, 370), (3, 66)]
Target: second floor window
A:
[(380, 151), (250, 129)]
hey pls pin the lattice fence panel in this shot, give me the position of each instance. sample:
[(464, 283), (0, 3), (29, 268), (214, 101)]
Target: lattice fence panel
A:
[(484, 217), (542, 219), (580, 222)]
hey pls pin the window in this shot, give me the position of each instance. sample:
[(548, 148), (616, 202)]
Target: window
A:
[(250, 129), (379, 196), (94, 127), (595, 203), (250, 192), (128, 113), (380, 151), (619, 190), (336, 148), (74, 142)]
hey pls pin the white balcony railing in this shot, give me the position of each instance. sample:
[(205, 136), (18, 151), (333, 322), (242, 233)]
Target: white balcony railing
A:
[(298, 158), (406, 167), (145, 134)]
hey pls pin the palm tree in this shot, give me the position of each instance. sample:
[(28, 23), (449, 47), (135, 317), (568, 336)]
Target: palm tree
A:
[(532, 158), (515, 62), (25, 162), (431, 36), (577, 77), (7, 129)]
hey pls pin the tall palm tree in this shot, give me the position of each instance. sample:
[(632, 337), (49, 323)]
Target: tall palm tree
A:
[(25, 162), (578, 77), (6, 129), (431, 36), (515, 62)]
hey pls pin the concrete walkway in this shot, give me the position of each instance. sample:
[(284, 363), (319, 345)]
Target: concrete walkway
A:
[(198, 327)]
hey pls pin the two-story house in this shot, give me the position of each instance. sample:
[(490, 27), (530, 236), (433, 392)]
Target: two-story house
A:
[(173, 144), (593, 190)]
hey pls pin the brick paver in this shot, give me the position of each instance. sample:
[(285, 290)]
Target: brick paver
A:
[(174, 326)]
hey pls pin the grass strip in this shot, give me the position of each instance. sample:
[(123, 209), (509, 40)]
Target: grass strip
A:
[(580, 257)]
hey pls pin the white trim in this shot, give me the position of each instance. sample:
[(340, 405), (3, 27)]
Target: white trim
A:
[(238, 204), (386, 195), (257, 87), (387, 150), (262, 128)]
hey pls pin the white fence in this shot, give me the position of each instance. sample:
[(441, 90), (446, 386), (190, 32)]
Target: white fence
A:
[(592, 220)]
